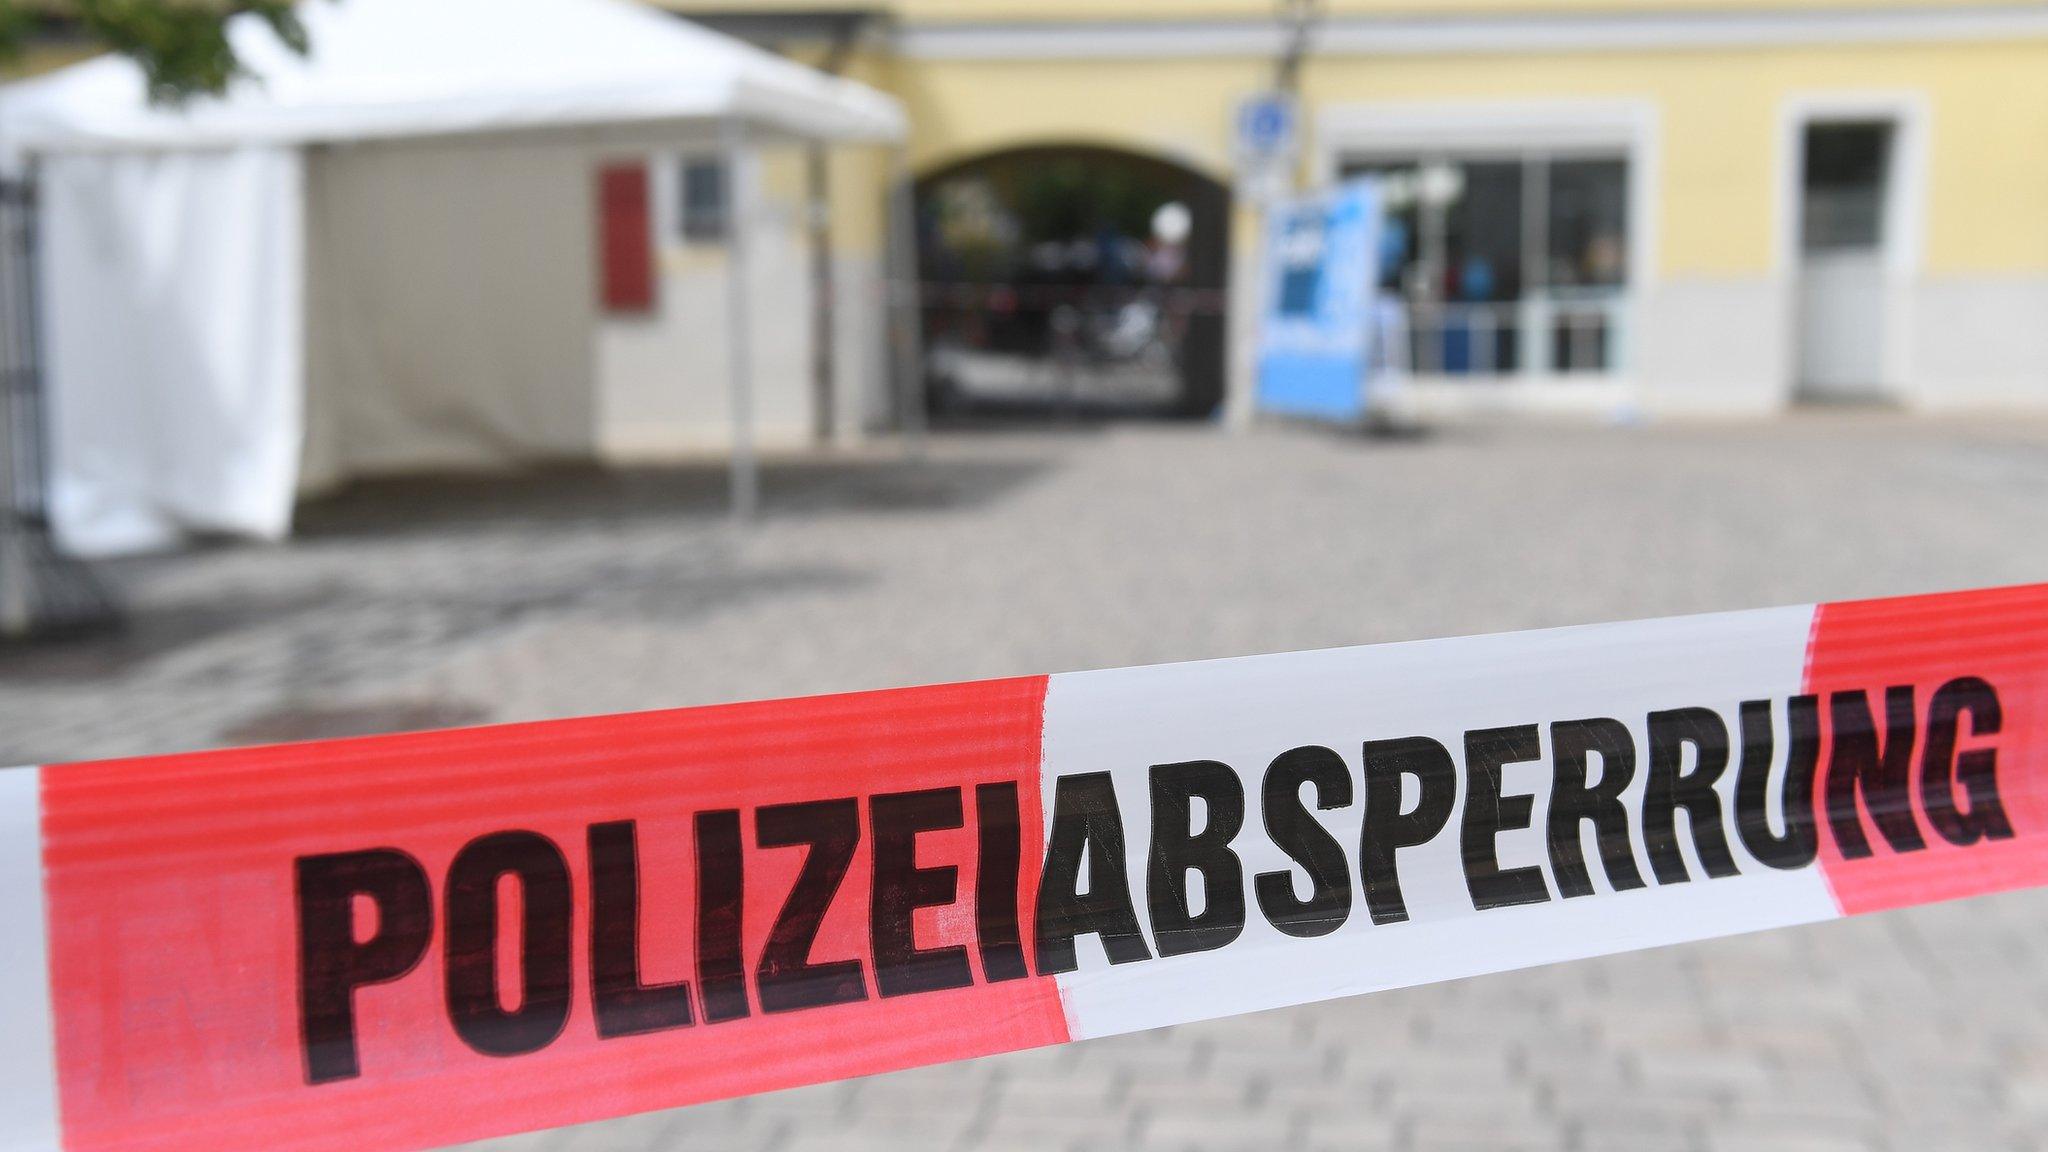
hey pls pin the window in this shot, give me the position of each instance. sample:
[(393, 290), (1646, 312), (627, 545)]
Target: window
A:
[(1588, 217), (703, 209), (1843, 206), (1506, 264)]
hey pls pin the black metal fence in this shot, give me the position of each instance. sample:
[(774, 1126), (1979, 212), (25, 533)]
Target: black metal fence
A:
[(1111, 349), (21, 380), (41, 591)]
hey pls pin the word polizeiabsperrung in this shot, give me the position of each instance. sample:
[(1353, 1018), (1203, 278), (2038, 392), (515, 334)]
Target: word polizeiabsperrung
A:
[(405, 941)]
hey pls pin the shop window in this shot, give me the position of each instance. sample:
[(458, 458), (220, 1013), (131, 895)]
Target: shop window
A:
[(1506, 265), (1587, 218), (703, 215)]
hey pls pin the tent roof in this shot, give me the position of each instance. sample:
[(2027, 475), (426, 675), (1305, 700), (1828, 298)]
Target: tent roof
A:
[(389, 68)]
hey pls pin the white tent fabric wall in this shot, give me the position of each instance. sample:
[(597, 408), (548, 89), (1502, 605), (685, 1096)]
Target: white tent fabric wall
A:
[(173, 328), (450, 308)]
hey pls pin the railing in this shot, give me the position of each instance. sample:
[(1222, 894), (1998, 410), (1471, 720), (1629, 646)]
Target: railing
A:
[(1553, 334), (1559, 333), (1121, 347)]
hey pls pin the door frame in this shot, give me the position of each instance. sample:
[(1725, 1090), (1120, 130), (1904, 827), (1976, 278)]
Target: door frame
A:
[(1904, 218)]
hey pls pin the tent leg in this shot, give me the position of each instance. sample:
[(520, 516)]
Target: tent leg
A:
[(907, 314), (42, 592), (18, 373), (745, 477), (824, 366)]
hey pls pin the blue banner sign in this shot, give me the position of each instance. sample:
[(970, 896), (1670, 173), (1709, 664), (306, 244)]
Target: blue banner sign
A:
[(1315, 336)]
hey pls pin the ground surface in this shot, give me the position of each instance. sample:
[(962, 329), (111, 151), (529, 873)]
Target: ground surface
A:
[(410, 605)]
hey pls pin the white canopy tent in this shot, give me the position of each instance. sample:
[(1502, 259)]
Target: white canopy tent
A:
[(175, 249)]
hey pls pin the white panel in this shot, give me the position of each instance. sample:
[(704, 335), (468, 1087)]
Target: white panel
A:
[(865, 391), (1842, 323), (28, 1069), (452, 306), (1978, 341), (176, 344), (1713, 346), (1246, 711)]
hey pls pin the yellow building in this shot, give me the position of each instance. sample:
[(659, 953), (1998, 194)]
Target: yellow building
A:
[(1715, 207)]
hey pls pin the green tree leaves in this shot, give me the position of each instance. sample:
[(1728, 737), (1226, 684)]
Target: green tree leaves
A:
[(182, 45)]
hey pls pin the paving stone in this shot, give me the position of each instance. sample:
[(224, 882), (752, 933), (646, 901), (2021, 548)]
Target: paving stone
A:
[(1187, 1128)]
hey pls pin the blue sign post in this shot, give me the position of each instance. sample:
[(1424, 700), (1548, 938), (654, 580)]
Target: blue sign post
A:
[(1265, 125), (1265, 143), (1315, 338)]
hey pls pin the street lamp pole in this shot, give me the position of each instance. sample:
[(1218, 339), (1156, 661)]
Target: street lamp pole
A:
[(1298, 18)]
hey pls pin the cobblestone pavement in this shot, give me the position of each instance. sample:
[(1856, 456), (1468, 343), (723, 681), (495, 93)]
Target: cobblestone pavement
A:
[(570, 593)]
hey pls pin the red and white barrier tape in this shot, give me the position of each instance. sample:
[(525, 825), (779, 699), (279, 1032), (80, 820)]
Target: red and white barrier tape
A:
[(405, 941)]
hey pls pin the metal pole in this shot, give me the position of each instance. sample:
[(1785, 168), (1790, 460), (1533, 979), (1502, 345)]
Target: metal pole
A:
[(824, 283), (1298, 17), (739, 331), (907, 314), (16, 361), (818, 191)]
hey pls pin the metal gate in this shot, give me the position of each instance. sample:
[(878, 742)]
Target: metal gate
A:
[(41, 591)]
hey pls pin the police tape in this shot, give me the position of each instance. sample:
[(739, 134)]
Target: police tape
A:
[(412, 940)]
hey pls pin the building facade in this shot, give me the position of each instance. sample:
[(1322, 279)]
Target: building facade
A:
[(1720, 208)]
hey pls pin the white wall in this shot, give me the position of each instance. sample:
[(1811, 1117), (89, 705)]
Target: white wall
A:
[(449, 307), (860, 321), (1713, 346), (1728, 347), (663, 384), (1978, 342)]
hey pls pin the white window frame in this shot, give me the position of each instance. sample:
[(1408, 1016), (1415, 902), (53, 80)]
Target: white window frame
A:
[(676, 164), (1905, 219), (1549, 129)]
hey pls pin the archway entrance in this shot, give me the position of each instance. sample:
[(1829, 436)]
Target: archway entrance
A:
[(1073, 279)]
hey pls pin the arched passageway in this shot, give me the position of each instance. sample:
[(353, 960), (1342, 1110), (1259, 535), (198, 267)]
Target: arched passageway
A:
[(1073, 279)]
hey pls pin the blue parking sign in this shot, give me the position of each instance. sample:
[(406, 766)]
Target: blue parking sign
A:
[(1265, 126), (1315, 334)]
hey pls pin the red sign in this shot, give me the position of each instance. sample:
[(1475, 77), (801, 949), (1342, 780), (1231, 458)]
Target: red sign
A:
[(625, 238)]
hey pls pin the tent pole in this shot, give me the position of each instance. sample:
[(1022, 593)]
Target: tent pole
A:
[(818, 213), (745, 477), (16, 573), (41, 590), (904, 296)]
